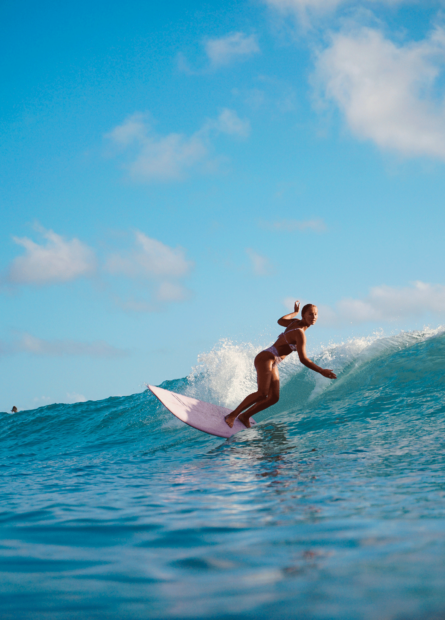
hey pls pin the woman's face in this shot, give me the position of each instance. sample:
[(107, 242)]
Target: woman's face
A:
[(311, 315)]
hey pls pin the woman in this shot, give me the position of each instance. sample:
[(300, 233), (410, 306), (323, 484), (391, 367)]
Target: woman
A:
[(266, 363)]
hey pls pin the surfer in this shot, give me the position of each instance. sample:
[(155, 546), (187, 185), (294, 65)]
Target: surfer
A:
[(266, 363)]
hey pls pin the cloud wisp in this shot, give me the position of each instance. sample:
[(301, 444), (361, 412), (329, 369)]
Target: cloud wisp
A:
[(58, 260), (228, 122), (73, 397), (303, 8), (230, 48), (27, 343), (152, 260), (386, 304), (387, 92), (153, 158), (146, 260), (307, 11), (261, 265), (316, 225)]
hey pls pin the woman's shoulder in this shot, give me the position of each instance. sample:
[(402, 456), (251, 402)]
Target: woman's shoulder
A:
[(296, 324), (299, 330)]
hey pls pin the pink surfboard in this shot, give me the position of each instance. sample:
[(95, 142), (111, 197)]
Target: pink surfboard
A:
[(205, 417)]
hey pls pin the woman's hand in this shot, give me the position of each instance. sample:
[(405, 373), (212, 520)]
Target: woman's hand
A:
[(329, 374), (297, 306)]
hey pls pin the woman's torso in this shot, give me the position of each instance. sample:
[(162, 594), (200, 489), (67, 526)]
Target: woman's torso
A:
[(287, 340)]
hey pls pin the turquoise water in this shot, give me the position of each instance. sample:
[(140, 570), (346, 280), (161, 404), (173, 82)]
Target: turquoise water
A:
[(333, 506)]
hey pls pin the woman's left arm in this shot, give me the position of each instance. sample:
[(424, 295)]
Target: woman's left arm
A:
[(301, 349), (288, 318)]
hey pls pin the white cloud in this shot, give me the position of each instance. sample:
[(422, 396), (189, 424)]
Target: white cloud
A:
[(75, 398), (387, 91), (386, 304), (306, 9), (230, 123), (232, 47), (59, 348), (160, 158), (151, 259), (172, 291), (316, 225), (301, 7), (134, 128), (260, 264), (164, 158), (58, 260)]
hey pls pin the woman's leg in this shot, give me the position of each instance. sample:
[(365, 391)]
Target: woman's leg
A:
[(273, 397), (264, 366), (247, 402)]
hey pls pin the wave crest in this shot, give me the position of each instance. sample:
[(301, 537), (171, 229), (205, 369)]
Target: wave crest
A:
[(226, 374)]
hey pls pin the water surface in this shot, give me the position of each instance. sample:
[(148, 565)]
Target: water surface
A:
[(332, 507)]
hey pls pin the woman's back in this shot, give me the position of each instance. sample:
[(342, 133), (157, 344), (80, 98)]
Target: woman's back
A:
[(288, 338)]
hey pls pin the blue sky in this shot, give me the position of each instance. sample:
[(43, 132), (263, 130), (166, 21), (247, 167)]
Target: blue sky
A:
[(174, 174)]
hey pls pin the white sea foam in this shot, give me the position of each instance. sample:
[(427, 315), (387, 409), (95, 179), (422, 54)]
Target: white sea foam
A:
[(354, 352), (226, 374)]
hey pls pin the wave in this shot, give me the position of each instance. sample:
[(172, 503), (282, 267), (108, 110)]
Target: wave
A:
[(226, 374), (400, 376)]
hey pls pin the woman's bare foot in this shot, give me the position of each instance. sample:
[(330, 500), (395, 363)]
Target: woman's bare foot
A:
[(230, 419), (245, 420)]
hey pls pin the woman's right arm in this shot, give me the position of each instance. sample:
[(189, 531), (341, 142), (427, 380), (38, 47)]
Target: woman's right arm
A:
[(288, 318)]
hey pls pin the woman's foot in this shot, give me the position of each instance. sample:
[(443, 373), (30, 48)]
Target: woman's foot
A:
[(245, 419), (230, 419)]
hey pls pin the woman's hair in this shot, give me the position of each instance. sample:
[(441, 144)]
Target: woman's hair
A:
[(306, 308)]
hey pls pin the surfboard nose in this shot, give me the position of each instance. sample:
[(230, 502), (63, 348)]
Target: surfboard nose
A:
[(205, 417)]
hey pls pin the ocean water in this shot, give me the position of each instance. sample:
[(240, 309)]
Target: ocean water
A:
[(332, 507)]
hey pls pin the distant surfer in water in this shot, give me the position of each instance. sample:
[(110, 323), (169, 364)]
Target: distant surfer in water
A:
[(266, 363)]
